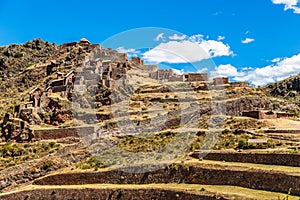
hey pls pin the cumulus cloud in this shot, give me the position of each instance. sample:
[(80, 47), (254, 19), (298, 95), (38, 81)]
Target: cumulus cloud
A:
[(225, 70), (262, 76), (131, 52), (159, 37), (276, 60), (221, 37), (177, 37), (189, 50), (202, 70), (177, 71), (289, 4), (247, 40)]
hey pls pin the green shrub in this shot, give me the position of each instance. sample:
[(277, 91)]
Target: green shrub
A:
[(18, 55), (47, 165), (33, 170), (242, 143)]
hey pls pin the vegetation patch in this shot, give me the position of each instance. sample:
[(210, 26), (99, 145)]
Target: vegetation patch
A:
[(13, 153), (146, 144)]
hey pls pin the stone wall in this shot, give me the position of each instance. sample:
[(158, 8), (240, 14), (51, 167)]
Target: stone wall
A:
[(203, 174), (259, 158), (262, 114), (286, 131), (252, 114), (176, 78), (161, 74), (258, 114), (239, 84), (221, 80), (137, 61), (193, 77), (49, 134), (92, 193), (61, 88)]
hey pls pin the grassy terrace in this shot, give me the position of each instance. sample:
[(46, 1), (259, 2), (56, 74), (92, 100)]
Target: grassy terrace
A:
[(245, 166), (194, 162), (232, 192), (14, 154)]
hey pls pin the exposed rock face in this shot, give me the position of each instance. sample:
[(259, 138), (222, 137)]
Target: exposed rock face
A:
[(14, 59), (289, 87)]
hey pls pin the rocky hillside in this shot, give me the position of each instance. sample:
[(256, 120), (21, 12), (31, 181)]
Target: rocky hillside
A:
[(289, 87), (42, 84), (23, 67)]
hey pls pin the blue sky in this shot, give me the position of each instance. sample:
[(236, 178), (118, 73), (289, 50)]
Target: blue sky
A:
[(269, 28)]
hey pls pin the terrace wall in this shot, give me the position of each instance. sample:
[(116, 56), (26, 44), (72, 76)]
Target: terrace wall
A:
[(49, 134)]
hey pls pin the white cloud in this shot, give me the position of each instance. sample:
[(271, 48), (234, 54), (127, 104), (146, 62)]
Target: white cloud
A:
[(275, 60), (177, 71), (289, 4), (217, 13), (262, 76), (177, 37), (202, 70), (221, 37), (247, 68), (247, 40), (176, 52), (192, 49), (131, 52), (159, 37), (225, 70)]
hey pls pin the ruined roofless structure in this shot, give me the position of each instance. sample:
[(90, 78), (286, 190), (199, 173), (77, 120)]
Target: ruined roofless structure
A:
[(266, 114)]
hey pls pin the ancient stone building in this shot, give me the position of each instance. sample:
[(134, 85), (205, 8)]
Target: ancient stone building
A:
[(284, 115), (68, 78), (193, 77), (239, 84), (162, 74), (57, 82), (137, 61), (50, 68), (35, 97), (62, 83), (220, 80), (13, 129), (84, 42), (265, 114), (59, 75), (70, 44), (176, 77)]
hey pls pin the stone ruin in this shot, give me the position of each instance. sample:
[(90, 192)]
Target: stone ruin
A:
[(15, 129), (100, 69), (104, 67), (136, 61), (266, 114), (196, 77), (169, 75), (220, 80)]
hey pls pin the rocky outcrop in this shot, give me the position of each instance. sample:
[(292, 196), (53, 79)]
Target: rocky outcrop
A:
[(286, 88)]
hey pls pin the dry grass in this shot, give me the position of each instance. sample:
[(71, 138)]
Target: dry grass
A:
[(246, 166), (283, 123), (232, 192)]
